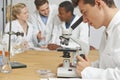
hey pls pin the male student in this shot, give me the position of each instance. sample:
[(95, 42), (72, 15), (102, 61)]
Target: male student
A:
[(100, 13), (79, 36), (44, 20)]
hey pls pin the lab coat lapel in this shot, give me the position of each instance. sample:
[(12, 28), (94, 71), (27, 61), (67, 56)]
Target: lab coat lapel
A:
[(40, 22), (20, 28)]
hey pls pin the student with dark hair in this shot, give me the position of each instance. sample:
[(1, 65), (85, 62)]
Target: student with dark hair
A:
[(80, 33), (100, 13)]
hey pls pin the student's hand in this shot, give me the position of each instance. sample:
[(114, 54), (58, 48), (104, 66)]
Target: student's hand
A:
[(24, 44), (43, 47), (82, 64), (53, 46), (39, 36)]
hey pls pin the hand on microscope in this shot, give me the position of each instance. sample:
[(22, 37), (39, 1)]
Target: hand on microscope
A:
[(52, 46), (82, 64)]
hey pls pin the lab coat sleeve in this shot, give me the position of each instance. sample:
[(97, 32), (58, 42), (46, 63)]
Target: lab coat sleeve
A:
[(56, 31), (35, 40), (30, 35), (32, 19), (30, 43), (6, 36), (55, 35), (104, 74), (95, 64), (35, 29)]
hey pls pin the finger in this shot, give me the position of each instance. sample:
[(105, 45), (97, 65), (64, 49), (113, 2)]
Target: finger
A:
[(86, 58), (39, 34), (78, 70), (79, 58)]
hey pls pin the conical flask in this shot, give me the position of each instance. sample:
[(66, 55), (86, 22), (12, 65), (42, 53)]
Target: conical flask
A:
[(6, 67)]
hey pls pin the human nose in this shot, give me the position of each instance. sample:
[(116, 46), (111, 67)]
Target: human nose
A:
[(85, 19), (58, 15), (27, 14), (46, 12)]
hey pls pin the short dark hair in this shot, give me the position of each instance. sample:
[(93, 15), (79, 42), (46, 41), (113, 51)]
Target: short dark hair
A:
[(75, 2), (67, 5), (110, 3), (40, 2)]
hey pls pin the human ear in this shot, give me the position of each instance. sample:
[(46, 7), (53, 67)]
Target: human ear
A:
[(17, 16), (98, 3)]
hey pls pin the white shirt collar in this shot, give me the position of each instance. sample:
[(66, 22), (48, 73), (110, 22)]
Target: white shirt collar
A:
[(113, 23)]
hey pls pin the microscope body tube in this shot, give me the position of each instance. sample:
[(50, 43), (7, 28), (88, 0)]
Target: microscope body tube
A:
[(84, 46)]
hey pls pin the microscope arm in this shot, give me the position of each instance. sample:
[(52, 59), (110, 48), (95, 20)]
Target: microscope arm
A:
[(84, 46)]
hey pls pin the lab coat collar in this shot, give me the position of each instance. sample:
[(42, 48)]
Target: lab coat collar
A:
[(113, 23)]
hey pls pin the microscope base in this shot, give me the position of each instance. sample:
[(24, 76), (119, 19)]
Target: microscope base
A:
[(66, 72)]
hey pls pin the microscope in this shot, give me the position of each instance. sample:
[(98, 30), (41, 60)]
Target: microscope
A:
[(68, 68)]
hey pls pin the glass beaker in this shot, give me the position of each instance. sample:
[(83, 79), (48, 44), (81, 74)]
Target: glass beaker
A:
[(6, 67), (0, 37), (1, 48), (0, 59), (17, 45)]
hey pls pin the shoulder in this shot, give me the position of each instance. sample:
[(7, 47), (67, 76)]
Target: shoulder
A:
[(14, 22), (29, 24), (14, 25), (34, 14)]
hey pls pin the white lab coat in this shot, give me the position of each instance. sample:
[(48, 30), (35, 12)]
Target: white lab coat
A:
[(16, 27), (117, 3), (80, 33), (36, 20), (108, 65)]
